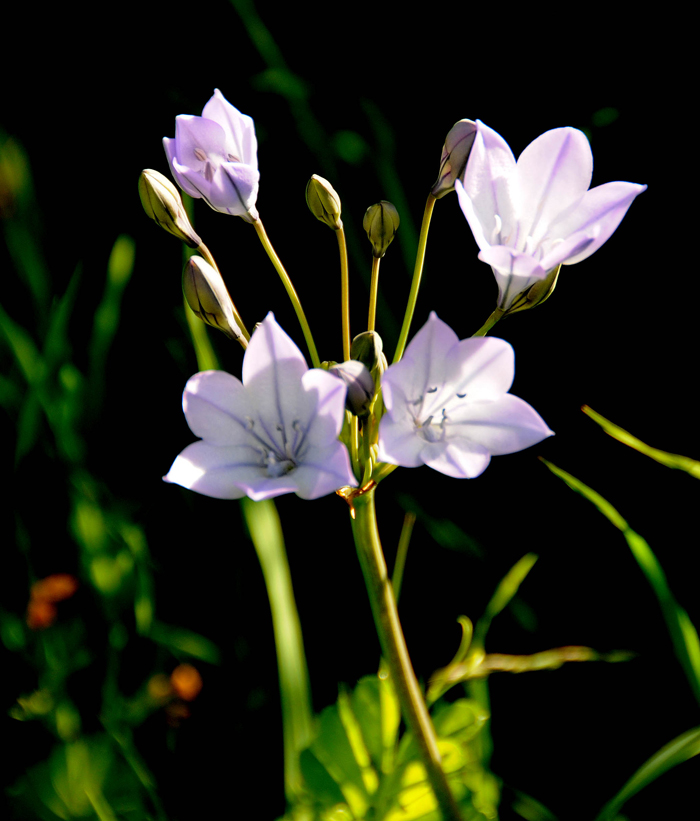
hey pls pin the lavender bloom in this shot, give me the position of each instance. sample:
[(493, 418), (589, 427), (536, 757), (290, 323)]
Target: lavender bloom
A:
[(274, 433), (448, 404), (531, 216), (214, 157)]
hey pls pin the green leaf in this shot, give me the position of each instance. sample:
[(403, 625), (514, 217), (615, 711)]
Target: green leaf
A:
[(683, 633), (682, 748), (671, 460)]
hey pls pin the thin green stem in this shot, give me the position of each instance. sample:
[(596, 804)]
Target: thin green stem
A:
[(417, 274), (344, 292), (394, 650), (206, 253), (287, 282), (490, 322), (373, 286)]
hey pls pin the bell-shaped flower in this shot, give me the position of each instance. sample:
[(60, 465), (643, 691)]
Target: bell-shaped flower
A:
[(215, 157), (530, 216), (448, 404), (275, 432)]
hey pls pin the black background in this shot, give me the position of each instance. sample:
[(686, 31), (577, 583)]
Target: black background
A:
[(618, 335)]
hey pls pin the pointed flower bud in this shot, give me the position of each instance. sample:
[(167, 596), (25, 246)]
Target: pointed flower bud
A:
[(367, 348), (381, 222), (207, 296), (359, 383), (161, 201), (324, 202), (455, 153)]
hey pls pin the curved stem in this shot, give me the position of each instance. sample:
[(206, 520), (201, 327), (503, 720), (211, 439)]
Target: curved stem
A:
[(373, 285), (344, 292), (287, 282), (394, 650), (490, 322), (417, 273)]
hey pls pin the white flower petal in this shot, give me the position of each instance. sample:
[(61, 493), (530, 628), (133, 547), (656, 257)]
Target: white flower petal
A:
[(481, 368), (490, 184), (598, 214), (459, 462), (220, 472), (505, 426), (217, 408), (553, 172)]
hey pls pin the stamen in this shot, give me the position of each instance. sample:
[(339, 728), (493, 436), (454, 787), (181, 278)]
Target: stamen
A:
[(200, 154), (431, 390), (232, 158)]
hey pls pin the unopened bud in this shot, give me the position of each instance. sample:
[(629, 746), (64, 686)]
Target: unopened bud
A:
[(359, 383), (206, 294), (455, 153), (162, 202), (381, 221), (367, 348), (324, 202), (536, 294)]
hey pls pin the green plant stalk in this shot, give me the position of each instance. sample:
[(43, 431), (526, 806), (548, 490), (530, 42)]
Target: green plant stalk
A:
[(373, 287), (287, 282), (265, 531), (344, 292), (417, 274), (394, 650), (490, 322)]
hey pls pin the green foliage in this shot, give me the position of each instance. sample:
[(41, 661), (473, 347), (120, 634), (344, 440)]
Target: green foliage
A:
[(359, 766)]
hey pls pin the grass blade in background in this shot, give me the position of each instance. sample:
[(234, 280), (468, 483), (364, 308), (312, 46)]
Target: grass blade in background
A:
[(671, 460), (265, 531), (683, 633), (682, 748)]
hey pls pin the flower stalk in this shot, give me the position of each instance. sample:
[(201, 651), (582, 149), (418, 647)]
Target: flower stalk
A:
[(417, 274), (291, 292), (344, 291), (394, 650)]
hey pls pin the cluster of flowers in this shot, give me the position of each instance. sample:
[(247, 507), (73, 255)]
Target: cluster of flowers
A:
[(446, 402)]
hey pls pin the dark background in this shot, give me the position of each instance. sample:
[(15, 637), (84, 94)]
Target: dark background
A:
[(618, 335)]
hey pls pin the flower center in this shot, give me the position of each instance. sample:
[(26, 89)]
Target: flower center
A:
[(277, 465), (432, 431)]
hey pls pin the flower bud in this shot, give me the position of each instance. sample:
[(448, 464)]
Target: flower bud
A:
[(381, 221), (536, 294), (455, 153), (162, 202), (207, 296), (360, 385), (324, 202), (367, 348)]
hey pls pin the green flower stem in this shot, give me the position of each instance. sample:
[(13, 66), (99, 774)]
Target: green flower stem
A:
[(394, 650), (297, 718), (206, 253), (374, 284), (417, 274), (344, 292), (490, 322), (287, 282)]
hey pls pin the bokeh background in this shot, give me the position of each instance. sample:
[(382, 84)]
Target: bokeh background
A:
[(364, 97)]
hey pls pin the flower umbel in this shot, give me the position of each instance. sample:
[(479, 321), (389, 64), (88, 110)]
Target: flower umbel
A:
[(530, 216), (276, 432), (448, 404), (214, 157)]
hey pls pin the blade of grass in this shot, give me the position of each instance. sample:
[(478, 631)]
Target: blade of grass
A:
[(683, 633), (682, 748), (670, 460), (265, 531)]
